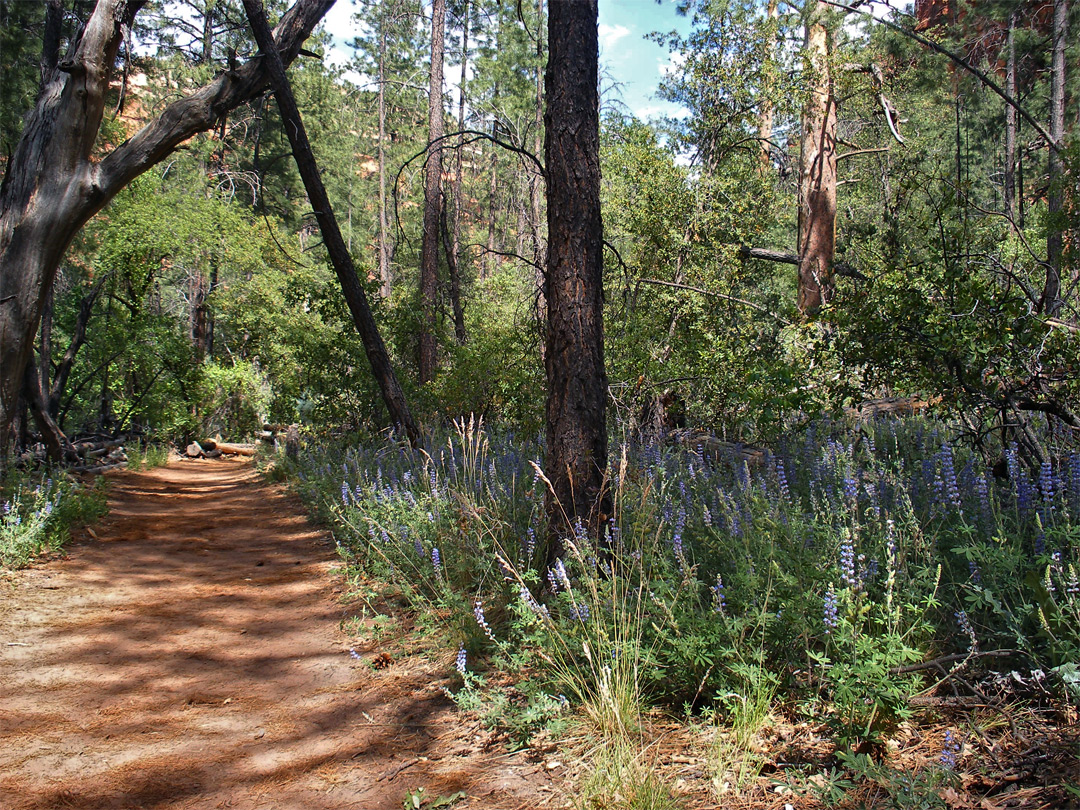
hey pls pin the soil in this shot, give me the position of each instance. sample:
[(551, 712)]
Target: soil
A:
[(191, 653)]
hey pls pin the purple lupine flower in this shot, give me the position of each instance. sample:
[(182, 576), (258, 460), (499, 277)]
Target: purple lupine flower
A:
[(579, 612), (478, 612), (851, 489), (706, 515), (553, 580), (1072, 584), (982, 489), (976, 574), (1074, 483), (1046, 492), (950, 751), (345, 493), (782, 482), (847, 562), (530, 543), (966, 627), (948, 476), (560, 572), (436, 562), (418, 547), (719, 601), (676, 540), (462, 660), (831, 610), (530, 600)]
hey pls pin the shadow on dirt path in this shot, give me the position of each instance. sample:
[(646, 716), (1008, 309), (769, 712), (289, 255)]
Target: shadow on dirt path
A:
[(191, 657)]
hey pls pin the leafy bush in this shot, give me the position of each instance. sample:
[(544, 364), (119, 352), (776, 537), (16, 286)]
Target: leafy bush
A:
[(824, 568), (38, 517)]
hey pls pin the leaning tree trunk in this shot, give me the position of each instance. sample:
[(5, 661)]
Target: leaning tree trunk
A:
[(1051, 297), (55, 183), (355, 297), (817, 172), (429, 245), (576, 454)]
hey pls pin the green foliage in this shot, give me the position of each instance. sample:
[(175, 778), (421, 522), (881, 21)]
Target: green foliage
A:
[(233, 399), (37, 517)]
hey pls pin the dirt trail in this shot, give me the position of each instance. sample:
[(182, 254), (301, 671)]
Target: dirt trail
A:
[(192, 657)]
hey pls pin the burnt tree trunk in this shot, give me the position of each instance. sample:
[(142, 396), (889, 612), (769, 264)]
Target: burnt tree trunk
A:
[(576, 454), (54, 183), (393, 396), (817, 172), (429, 245)]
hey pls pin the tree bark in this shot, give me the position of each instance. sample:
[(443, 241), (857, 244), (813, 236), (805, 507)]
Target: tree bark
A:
[(765, 122), (536, 192), (393, 396), (57, 446), (1009, 189), (429, 246), (53, 185), (1051, 297), (455, 247), (817, 172), (385, 278), (576, 455)]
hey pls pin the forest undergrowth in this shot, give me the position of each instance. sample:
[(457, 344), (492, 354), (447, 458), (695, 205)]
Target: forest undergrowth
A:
[(862, 616)]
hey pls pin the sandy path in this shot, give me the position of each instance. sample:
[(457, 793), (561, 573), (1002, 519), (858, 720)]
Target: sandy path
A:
[(192, 657)]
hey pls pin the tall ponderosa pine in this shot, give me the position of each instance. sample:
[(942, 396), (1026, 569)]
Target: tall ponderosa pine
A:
[(576, 455), (817, 167), (429, 246)]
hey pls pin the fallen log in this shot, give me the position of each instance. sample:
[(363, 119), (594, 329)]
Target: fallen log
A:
[(208, 445), (236, 449), (194, 450)]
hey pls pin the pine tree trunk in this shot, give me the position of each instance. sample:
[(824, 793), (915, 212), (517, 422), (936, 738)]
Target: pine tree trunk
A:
[(385, 278), (455, 246), (765, 122), (535, 179), (393, 396), (1051, 297), (817, 173), (429, 245), (576, 454), (1009, 190)]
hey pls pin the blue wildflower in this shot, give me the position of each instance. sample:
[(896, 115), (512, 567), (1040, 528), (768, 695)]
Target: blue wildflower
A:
[(831, 610), (950, 751)]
